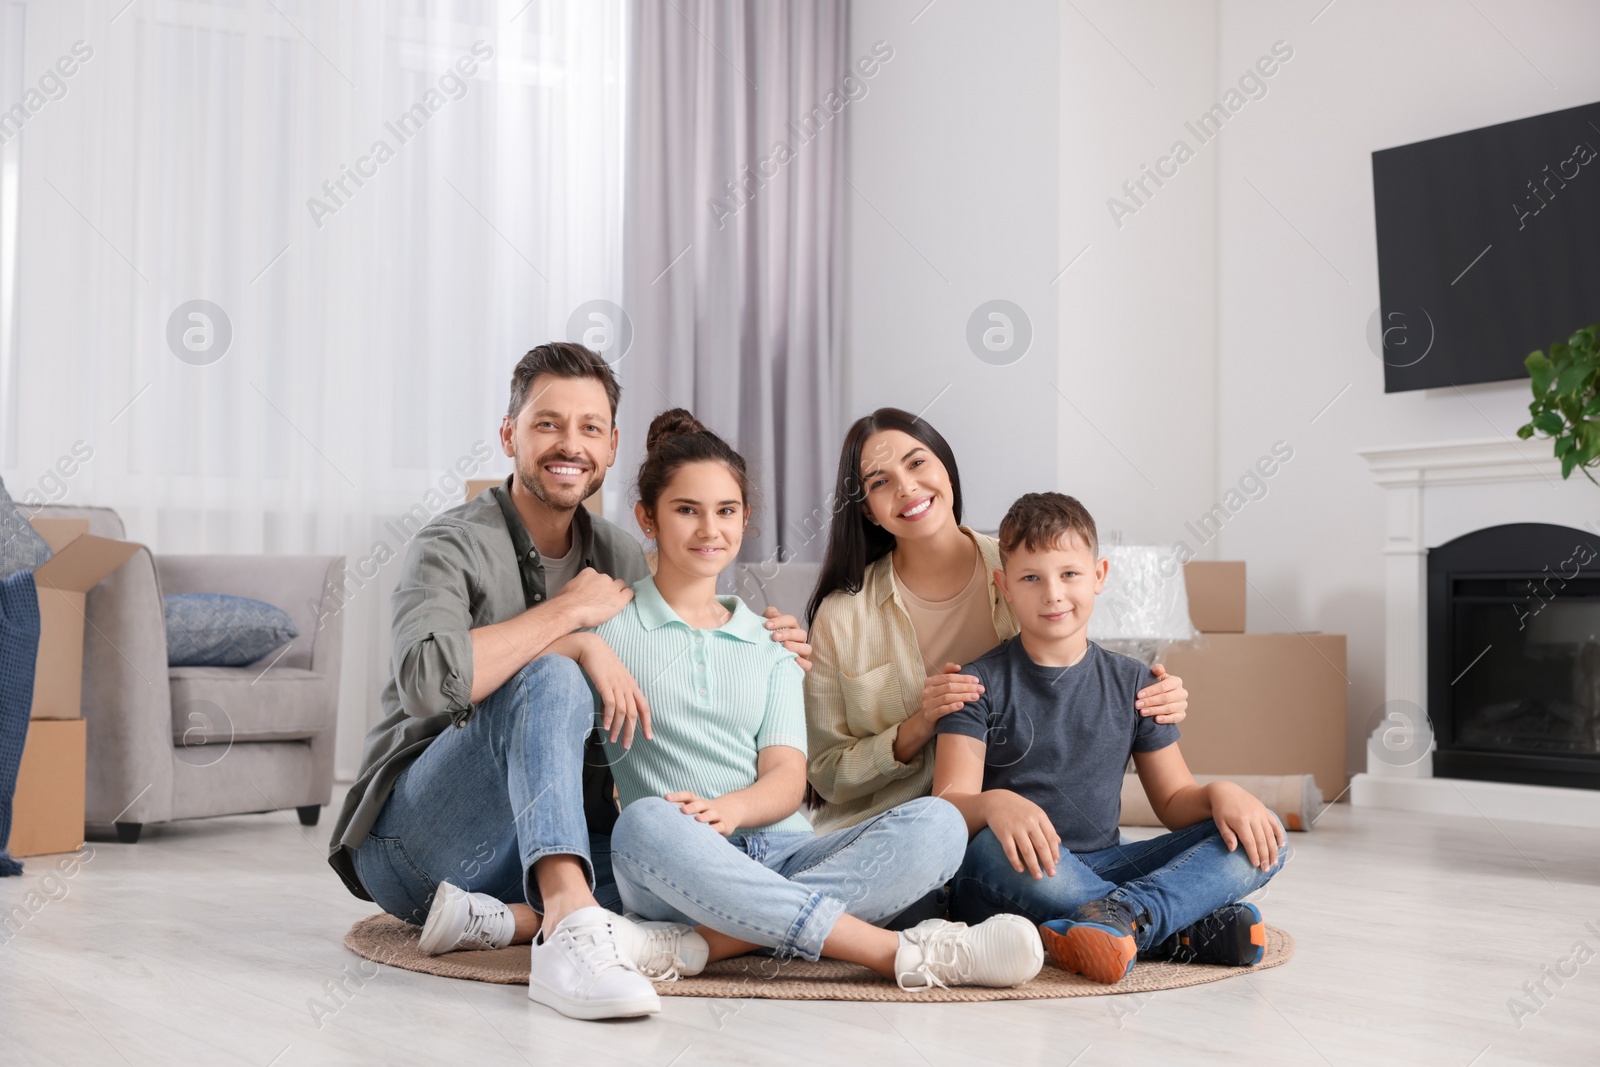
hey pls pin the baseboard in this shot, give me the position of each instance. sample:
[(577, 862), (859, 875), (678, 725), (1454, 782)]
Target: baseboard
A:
[(1492, 800)]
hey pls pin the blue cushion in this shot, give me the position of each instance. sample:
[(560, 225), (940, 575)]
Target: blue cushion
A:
[(21, 547), (212, 630)]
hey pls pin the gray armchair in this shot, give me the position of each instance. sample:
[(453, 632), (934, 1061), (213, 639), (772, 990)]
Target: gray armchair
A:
[(188, 742)]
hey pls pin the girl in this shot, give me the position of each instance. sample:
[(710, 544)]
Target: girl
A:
[(906, 595), (711, 846)]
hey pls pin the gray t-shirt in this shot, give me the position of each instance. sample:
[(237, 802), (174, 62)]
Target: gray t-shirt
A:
[(559, 571), (1061, 736)]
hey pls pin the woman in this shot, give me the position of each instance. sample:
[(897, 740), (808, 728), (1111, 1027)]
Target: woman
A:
[(906, 595), (710, 845)]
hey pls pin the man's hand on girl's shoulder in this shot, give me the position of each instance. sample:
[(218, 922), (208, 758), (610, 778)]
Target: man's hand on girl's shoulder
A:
[(592, 598)]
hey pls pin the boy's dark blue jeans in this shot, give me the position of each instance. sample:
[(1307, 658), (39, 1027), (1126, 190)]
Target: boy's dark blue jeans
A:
[(1169, 881)]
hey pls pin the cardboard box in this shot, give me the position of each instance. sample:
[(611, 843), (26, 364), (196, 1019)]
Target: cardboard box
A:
[(47, 811), (1216, 595), (80, 560), (478, 485), (1265, 704)]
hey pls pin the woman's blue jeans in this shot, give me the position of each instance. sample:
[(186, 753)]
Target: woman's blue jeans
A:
[(488, 799), (782, 890)]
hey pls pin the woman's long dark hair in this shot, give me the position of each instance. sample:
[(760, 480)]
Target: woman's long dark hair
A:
[(853, 541)]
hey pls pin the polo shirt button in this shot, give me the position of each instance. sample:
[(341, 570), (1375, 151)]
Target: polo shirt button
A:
[(538, 597), (703, 693)]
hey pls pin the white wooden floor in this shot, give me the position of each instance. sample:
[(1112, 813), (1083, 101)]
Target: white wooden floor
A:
[(211, 942)]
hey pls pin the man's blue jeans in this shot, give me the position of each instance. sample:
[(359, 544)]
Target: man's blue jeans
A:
[(488, 799), (1169, 881), (782, 890)]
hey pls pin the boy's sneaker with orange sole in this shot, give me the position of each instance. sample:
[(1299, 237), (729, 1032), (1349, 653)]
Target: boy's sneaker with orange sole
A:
[(1232, 936), (1096, 942)]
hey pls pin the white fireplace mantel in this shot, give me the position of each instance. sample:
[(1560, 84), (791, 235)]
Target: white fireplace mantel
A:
[(1434, 493), (1480, 462)]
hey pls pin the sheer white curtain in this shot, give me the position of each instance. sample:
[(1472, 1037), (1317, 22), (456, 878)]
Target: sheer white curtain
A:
[(389, 203)]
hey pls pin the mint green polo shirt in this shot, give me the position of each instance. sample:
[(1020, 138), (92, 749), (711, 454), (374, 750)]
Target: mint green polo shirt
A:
[(717, 697)]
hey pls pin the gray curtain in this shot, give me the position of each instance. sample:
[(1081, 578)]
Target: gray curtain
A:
[(733, 244)]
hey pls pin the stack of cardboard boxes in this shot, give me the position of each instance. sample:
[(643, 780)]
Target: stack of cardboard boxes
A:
[(1258, 703), (47, 810)]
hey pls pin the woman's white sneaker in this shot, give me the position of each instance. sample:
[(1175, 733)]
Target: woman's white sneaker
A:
[(579, 970), (1002, 951), (460, 920), (663, 952)]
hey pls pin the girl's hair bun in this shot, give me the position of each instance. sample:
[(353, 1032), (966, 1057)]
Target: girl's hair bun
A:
[(677, 421), (677, 438)]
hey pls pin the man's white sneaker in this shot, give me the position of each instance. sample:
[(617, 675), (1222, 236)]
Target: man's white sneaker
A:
[(1002, 951), (579, 970), (663, 952), (460, 920)]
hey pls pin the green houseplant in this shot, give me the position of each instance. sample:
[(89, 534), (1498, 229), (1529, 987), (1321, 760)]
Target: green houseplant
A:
[(1566, 400)]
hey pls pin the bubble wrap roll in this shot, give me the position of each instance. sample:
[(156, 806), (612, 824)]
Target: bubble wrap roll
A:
[(1144, 598)]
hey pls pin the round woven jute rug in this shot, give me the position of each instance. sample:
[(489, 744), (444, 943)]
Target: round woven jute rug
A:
[(388, 940)]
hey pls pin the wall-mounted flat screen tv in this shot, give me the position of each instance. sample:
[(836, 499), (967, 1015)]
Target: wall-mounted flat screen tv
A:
[(1488, 248)]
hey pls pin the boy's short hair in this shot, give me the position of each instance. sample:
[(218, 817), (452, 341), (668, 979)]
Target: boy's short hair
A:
[(564, 359), (1045, 520)]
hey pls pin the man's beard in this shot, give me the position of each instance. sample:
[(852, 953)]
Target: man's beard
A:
[(532, 480)]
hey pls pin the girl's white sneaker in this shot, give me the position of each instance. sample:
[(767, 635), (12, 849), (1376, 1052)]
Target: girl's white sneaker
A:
[(662, 951), (999, 952)]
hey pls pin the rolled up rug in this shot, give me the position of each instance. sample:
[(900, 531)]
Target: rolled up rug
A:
[(19, 649)]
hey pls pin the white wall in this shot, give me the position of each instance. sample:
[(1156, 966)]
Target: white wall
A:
[(1366, 75), (1138, 309), (1217, 319), (953, 161), (981, 161)]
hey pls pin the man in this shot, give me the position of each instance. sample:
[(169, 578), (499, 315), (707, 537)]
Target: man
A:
[(483, 771)]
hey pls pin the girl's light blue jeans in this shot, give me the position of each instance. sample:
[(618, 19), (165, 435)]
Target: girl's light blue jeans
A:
[(782, 890)]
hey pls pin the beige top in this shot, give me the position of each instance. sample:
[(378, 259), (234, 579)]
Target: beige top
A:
[(866, 678), (957, 630)]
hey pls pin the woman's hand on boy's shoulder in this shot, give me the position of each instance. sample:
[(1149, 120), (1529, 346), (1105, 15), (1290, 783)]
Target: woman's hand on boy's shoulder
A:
[(1167, 700), (787, 628)]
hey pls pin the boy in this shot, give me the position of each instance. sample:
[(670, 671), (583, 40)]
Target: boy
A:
[(1036, 763)]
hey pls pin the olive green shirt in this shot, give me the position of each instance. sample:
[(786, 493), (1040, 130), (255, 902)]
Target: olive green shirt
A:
[(471, 566)]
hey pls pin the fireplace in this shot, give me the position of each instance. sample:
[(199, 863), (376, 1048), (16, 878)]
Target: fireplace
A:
[(1514, 655), (1507, 675)]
